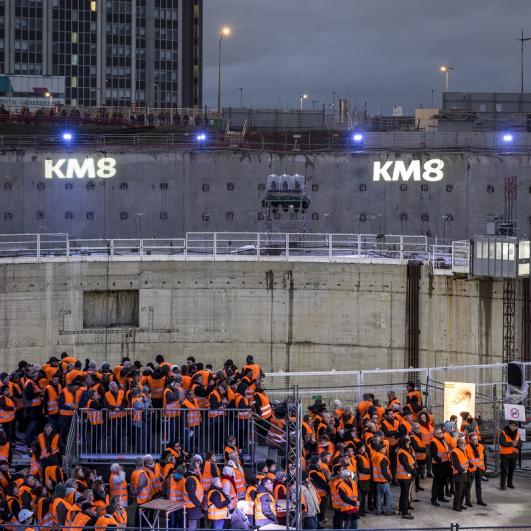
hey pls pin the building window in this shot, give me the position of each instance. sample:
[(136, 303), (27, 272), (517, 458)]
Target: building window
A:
[(163, 215), (315, 216), (90, 216), (74, 59), (123, 216), (363, 187), (363, 217), (425, 217), (69, 215), (74, 37), (206, 188), (93, 6), (73, 81), (315, 187), (229, 216)]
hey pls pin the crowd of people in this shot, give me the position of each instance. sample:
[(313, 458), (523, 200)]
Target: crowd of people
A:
[(351, 456), (102, 114)]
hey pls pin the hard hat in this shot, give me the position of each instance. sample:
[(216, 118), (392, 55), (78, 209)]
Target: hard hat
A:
[(24, 515)]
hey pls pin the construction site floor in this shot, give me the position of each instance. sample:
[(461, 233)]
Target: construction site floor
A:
[(511, 507)]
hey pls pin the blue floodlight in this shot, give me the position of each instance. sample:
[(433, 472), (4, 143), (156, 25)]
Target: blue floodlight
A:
[(201, 137), (508, 138), (357, 137), (67, 137)]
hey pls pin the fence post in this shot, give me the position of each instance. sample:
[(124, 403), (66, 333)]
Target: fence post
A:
[(111, 249), (258, 246), (214, 246), (67, 247), (38, 247), (401, 249), (330, 246), (287, 246), (141, 248), (359, 245)]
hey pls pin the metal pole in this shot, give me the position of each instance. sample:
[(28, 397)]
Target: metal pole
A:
[(219, 74), (522, 39), (447, 79)]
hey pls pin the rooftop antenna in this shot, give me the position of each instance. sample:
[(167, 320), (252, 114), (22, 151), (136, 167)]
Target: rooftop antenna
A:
[(522, 39)]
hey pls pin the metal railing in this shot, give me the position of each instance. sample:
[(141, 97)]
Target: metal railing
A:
[(103, 436), (242, 246), (309, 142), (162, 527)]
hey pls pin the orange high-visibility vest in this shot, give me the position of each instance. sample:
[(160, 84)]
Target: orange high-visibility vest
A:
[(213, 512), (176, 490), (377, 459), (463, 460), (475, 462), (401, 472), (232, 492), (199, 493), (70, 400), (5, 414), (265, 409), (171, 409), (258, 510), (193, 413), (280, 493), (118, 491), (118, 401), (419, 456), (142, 495), (239, 481), (442, 450), (427, 434), (156, 385), (54, 447), (95, 416), (53, 399), (365, 476), (508, 450), (44, 520), (351, 491), (214, 413), (37, 390)]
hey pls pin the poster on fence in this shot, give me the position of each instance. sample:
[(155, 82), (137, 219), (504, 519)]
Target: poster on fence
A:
[(459, 397)]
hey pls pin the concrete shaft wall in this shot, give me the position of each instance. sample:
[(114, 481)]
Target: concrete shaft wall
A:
[(298, 316), (180, 191)]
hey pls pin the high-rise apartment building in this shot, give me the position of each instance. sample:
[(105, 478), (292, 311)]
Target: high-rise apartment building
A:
[(111, 52)]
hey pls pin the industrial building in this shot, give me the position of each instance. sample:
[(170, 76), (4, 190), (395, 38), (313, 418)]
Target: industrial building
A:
[(111, 52)]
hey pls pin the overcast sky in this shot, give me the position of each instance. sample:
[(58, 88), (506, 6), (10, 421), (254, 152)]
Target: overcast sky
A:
[(385, 52)]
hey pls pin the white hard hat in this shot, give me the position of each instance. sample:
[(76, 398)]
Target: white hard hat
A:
[(24, 515)]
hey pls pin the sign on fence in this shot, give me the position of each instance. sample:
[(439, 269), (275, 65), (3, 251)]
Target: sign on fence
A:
[(514, 412)]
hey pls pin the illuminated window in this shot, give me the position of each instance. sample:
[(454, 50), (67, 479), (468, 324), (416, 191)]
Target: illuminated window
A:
[(74, 37), (73, 82), (93, 6), (74, 59)]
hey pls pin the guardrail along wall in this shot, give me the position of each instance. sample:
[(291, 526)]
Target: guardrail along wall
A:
[(291, 315)]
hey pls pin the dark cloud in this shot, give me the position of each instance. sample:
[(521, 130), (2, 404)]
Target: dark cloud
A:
[(384, 52)]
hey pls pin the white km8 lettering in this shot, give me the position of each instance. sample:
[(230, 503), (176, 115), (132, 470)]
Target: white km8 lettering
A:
[(432, 171), (104, 168)]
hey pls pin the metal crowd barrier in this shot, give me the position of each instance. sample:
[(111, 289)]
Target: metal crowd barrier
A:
[(104, 435)]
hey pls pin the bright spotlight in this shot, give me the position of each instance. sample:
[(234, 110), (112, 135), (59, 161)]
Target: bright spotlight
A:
[(201, 137), (67, 137), (358, 137), (508, 137)]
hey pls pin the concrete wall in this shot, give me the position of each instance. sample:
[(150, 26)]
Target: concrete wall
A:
[(299, 316), (173, 189)]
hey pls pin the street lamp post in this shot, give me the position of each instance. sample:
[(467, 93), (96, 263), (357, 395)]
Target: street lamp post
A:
[(241, 96), (302, 98), (446, 70), (522, 40), (225, 32)]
